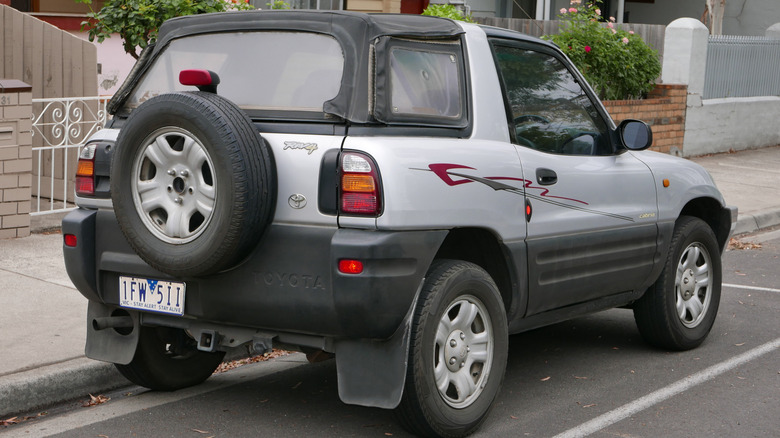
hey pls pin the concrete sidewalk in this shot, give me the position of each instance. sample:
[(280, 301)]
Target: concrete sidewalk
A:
[(43, 317)]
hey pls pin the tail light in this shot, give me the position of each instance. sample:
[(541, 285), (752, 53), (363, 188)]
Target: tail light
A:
[(360, 189), (85, 173)]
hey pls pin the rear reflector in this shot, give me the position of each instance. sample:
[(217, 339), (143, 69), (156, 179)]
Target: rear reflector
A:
[(350, 266), (70, 240)]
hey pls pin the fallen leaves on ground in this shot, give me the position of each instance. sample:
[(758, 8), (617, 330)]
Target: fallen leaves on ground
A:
[(95, 400), (233, 364), (735, 243), (546, 379), (16, 420), (10, 421)]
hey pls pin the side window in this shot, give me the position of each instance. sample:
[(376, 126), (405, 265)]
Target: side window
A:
[(424, 83), (550, 112), (419, 82)]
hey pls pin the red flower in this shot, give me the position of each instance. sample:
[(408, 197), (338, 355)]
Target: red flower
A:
[(587, 49)]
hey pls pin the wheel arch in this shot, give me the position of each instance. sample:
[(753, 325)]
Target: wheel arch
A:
[(714, 214), (483, 248)]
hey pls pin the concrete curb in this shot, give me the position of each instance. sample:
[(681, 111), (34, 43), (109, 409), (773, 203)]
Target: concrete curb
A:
[(749, 223), (50, 384)]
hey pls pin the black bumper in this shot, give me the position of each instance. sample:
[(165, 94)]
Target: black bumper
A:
[(290, 282)]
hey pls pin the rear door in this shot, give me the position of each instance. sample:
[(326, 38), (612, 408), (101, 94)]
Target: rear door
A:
[(591, 228)]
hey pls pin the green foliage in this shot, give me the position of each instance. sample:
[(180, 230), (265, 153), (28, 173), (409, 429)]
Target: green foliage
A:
[(447, 11), (616, 63), (279, 4), (137, 21)]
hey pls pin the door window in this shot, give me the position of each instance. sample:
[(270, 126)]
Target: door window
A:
[(549, 110)]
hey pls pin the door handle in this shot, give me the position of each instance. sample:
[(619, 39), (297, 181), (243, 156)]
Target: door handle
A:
[(546, 177)]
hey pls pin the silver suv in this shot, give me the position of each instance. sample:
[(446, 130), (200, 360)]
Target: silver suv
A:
[(400, 192)]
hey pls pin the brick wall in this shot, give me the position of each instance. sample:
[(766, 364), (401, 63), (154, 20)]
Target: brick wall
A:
[(15, 158), (664, 110)]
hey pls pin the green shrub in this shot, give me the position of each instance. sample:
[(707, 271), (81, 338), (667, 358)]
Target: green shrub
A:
[(137, 21), (447, 11), (616, 63), (279, 4)]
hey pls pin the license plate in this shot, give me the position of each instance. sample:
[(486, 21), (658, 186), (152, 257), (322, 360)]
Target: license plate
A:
[(152, 295)]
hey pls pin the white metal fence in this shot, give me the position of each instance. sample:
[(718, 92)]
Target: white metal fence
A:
[(740, 66), (60, 126)]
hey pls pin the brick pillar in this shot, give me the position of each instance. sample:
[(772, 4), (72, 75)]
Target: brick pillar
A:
[(15, 158)]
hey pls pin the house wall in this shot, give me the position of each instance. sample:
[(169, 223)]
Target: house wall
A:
[(714, 125), (393, 6), (53, 62), (744, 17), (114, 63), (15, 158), (732, 124), (65, 6)]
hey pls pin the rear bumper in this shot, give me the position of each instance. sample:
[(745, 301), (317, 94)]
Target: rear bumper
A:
[(290, 282)]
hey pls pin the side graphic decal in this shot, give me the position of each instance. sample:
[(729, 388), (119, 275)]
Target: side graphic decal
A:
[(443, 171)]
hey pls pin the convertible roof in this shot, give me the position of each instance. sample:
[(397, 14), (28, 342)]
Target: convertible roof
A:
[(354, 31), (359, 24)]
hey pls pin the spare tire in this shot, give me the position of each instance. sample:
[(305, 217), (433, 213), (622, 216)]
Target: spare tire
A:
[(193, 183)]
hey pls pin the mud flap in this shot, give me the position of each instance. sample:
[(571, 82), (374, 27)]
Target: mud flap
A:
[(372, 373), (111, 344)]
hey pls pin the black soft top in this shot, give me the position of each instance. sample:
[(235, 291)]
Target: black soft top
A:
[(353, 30)]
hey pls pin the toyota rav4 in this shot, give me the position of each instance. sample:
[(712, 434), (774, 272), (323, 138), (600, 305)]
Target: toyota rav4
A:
[(401, 192)]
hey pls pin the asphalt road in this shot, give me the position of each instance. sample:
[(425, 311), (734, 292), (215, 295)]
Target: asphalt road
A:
[(592, 376)]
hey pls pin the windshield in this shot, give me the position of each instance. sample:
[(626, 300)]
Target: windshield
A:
[(258, 70)]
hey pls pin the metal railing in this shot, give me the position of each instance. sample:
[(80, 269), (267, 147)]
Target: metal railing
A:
[(740, 66), (60, 126)]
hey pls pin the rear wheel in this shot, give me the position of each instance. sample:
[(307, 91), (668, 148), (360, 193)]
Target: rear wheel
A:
[(167, 359), (458, 352), (678, 311)]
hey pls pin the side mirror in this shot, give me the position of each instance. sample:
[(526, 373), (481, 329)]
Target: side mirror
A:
[(635, 135)]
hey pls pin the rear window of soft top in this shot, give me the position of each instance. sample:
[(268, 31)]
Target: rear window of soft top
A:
[(287, 71)]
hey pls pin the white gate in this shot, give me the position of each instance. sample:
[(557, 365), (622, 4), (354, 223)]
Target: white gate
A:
[(60, 126)]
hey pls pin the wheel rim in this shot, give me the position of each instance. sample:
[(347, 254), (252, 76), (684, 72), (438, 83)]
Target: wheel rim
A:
[(174, 185), (692, 285), (463, 351)]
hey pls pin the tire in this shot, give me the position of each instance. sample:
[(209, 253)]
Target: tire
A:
[(459, 343), (167, 359), (678, 311), (193, 183)]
